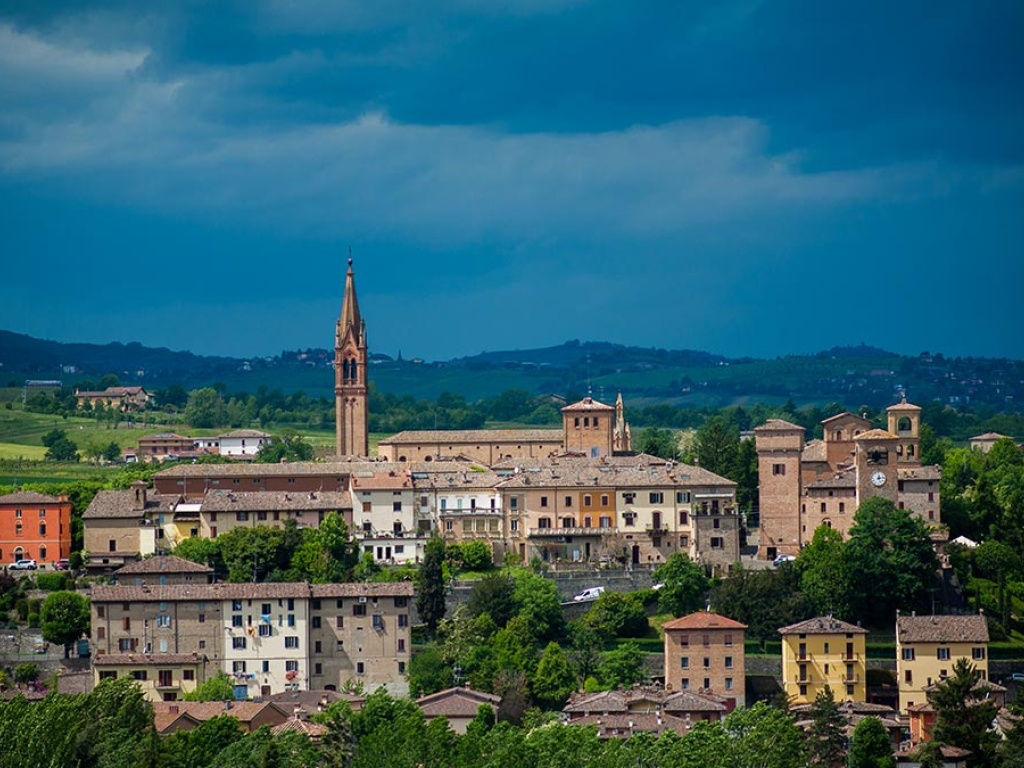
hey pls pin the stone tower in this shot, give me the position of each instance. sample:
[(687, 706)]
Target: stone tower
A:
[(350, 352), (779, 447), (622, 440), (905, 422)]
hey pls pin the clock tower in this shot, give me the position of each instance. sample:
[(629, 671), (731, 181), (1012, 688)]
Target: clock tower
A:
[(875, 458), (350, 391)]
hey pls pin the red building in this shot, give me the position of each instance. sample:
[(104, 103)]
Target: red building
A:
[(34, 526)]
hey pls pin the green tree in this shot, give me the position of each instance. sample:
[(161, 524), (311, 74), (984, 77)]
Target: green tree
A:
[(112, 452), (196, 748), (338, 744), (870, 745), (430, 584), (964, 713), (59, 446), (289, 446), (999, 562), (65, 618), (761, 736), (622, 667), (554, 679), (26, 673), (717, 445), (1012, 750), (494, 595), (428, 672), (205, 408), (823, 574), (539, 605), (327, 553), (618, 614), (476, 555), (826, 737), (763, 600), (891, 563), (660, 442), (684, 585), (585, 651), (217, 688), (199, 550)]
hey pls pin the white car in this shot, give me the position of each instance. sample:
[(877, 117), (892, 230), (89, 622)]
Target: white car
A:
[(591, 593), (24, 565), (783, 559)]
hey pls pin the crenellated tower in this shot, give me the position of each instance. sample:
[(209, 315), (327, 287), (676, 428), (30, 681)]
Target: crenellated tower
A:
[(350, 385)]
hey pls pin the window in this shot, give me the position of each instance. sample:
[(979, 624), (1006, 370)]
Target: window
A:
[(291, 641), (908, 676), (358, 610), (908, 654), (513, 503), (587, 500), (568, 501), (266, 630), (127, 624), (727, 640), (543, 501), (42, 531), (316, 622), (238, 667), (942, 654), (238, 643), (139, 674), (717, 542), (164, 678), (728, 683), (403, 620), (779, 469), (265, 666), (401, 667), (360, 667), (101, 633), (656, 497), (707, 683), (378, 621), (842, 506), (629, 519), (291, 665), (111, 544), (684, 662), (628, 498), (682, 497), (978, 654), (261, 515), (684, 517), (823, 507), (684, 683), (803, 689), (707, 662), (684, 640), (236, 620), (241, 517), (396, 506), (728, 662), (163, 620), (188, 674)]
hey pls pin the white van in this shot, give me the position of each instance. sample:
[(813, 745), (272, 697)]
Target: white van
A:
[(591, 593)]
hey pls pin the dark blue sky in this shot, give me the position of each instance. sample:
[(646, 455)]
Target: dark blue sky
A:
[(742, 177)]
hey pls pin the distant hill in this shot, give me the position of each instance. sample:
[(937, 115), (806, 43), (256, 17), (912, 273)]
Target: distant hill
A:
[(851, 376)]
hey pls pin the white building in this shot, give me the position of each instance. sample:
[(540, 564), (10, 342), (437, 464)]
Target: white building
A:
[(242, 442), (264, 643), (384, 514)]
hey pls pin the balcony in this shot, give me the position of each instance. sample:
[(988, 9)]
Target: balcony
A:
[(552, 532)]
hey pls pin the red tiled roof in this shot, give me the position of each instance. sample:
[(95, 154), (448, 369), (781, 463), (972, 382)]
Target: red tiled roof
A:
[(703, 620), (942, 629), (822, 625)]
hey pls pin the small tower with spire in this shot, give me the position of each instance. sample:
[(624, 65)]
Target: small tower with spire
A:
[(621, 439), (350, 390)]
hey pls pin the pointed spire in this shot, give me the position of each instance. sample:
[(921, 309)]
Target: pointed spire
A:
[(350, 317)]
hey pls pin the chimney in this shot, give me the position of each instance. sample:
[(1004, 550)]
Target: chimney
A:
[(139, 495), (173, 709)]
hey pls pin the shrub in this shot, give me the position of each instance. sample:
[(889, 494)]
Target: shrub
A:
[(53, 582), (26, 673)]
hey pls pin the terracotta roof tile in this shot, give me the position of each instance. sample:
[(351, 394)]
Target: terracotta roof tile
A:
[(244, 591), (221, 500), (703, 620), (475, 436), (822, 625), (779, 425), (588, 404), (27, 497), (146, 659), (163, 564), (939, 629), (875, 434), (456, 702), (121, 504)]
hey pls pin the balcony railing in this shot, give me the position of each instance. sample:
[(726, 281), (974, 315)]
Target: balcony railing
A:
[(548, 532)]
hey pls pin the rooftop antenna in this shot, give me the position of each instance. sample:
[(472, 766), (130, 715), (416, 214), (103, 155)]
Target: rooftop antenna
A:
[(590, 388)]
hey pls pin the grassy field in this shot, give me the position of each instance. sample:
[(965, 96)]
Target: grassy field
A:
[(22, 451)]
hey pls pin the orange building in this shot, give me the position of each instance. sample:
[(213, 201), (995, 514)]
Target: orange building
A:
[(34, 527)]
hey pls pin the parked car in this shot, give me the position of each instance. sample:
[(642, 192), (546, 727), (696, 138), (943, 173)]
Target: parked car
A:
[(1017, 677), (591, 593), (24, 565), (62, 565), (783, 559)]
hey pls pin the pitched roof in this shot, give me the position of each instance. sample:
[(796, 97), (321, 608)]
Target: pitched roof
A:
[(314, 730), (121, 504), (822, 625), (845, 416), (844, 479), (588, 404), (27, 497), (703, 620), (146, 659), (162, 564), (313, 701), (988, 436), (814, 450), (456, 702), (476, 436), (875, 434), (244, 433), (619, 700), (243, 711), (221, 500), (940, 629), (382, 480), (904, 406), (162, 721), (928, 472), (779, 425), (226, 591), (566, 472)]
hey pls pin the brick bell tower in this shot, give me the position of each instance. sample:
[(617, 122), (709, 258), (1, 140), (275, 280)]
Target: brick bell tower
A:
[(350, 352)]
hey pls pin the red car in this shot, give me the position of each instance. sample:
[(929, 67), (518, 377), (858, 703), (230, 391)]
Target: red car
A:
[(62, 565)]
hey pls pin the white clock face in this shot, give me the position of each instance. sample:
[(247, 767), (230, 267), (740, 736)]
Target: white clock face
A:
[(878, 478)]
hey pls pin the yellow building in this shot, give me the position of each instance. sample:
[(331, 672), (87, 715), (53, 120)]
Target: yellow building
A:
[(162, 677), (927, 647), (823, 652)]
